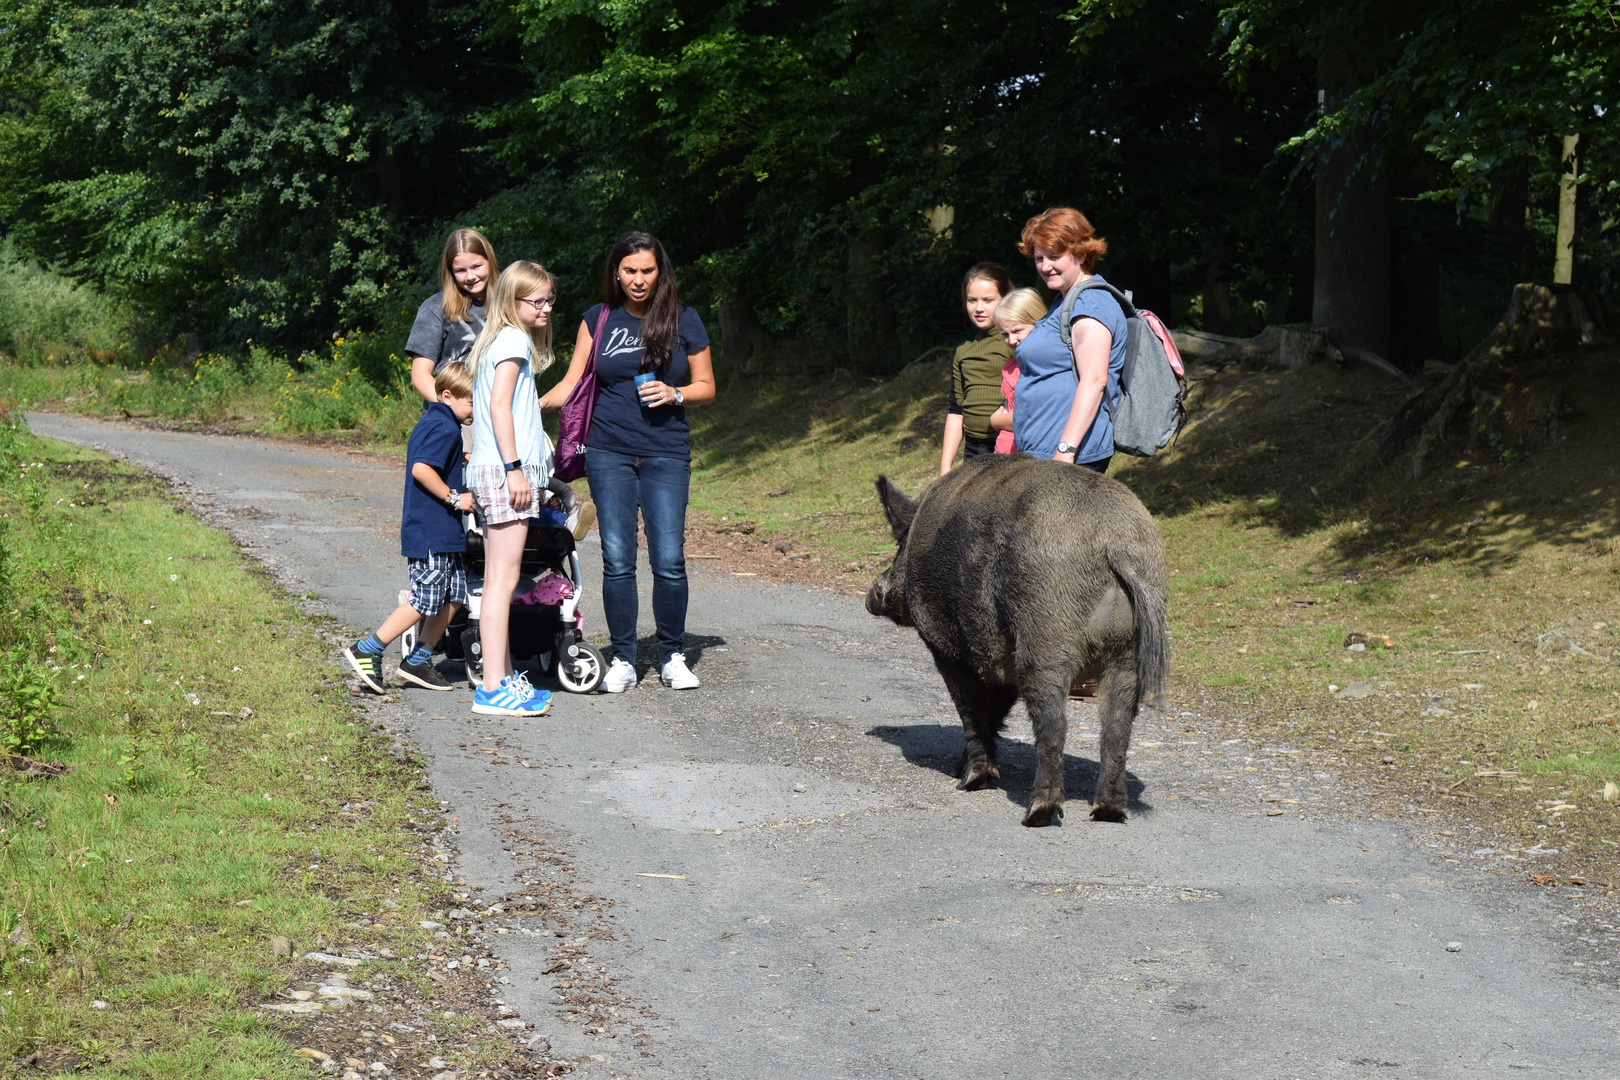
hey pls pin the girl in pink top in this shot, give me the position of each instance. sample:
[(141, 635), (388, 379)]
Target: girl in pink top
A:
[(1015, 317)]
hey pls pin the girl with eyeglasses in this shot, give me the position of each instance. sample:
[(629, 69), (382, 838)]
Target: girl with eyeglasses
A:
[(510, 464)]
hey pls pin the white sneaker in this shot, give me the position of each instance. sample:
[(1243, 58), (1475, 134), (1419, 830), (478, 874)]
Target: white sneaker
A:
[(580, 521), (621, 676), (676, 675)]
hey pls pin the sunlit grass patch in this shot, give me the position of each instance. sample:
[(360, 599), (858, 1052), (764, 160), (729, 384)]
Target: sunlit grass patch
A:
[(220, 789)]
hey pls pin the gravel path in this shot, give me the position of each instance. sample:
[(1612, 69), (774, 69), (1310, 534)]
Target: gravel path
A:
[(796, 889)]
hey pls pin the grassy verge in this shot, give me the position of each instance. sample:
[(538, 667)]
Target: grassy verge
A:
[(186, 780), (328, 394)]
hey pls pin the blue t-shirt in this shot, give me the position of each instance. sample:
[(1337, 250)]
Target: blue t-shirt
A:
[(1046, 382), (619, 423), (429, 525)]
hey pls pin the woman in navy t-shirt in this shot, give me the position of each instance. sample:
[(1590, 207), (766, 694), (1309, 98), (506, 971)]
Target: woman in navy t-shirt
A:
[(654, 361)]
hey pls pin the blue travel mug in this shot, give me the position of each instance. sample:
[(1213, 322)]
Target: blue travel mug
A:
[(642, 380)]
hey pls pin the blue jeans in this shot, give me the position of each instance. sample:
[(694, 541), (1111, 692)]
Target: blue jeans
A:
[(658, 485)]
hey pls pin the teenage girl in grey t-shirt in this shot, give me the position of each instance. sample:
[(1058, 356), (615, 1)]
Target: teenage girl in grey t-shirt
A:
[(448, 322)]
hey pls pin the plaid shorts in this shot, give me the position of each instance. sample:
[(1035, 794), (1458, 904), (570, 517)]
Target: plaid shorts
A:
[(488, 486), (439, 579)]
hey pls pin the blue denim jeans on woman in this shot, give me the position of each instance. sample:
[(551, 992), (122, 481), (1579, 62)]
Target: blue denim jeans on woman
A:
[(620, 484)]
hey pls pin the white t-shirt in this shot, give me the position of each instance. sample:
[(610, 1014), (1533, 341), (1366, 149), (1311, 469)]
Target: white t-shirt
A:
[(511, 345)]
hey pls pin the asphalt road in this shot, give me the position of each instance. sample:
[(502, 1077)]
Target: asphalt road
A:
[(878, 923)]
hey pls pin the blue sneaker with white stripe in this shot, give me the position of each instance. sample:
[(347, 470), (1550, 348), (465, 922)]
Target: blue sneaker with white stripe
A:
[(508, 700), (519, 683)]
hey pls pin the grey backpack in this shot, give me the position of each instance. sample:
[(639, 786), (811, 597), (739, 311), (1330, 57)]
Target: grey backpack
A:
[(1151, 407)]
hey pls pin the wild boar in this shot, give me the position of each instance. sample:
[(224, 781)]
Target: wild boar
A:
[(1023, 576)]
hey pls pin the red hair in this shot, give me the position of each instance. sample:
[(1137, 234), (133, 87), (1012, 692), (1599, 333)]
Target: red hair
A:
[(1063, 230)]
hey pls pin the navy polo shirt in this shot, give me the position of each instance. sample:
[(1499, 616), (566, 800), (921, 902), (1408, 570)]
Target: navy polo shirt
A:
[(428, 525)]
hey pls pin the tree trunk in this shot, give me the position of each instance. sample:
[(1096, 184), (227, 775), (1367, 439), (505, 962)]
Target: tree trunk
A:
[(1352, 281), (1503, 399), (873, 346), (743, 338), (1564, 250), (744, 341), (1414, 304), (1219, 317)]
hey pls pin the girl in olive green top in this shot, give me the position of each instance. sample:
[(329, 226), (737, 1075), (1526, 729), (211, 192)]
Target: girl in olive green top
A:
[(976, 369)]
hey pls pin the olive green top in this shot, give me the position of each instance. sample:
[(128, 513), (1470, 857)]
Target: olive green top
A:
[(976, 382)]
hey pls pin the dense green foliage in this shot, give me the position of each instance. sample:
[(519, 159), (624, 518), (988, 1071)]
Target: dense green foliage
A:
[(822, 171), (237, 168)]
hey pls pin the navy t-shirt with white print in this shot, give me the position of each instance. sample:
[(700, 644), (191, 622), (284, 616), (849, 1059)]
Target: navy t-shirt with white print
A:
[(618, 422)]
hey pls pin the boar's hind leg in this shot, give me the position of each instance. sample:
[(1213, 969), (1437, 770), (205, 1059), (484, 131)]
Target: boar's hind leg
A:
[(983, 709), (1116, 702), (1048, 715)]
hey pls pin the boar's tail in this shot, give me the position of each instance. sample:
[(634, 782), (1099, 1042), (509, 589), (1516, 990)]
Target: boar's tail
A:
[(1152, 640)]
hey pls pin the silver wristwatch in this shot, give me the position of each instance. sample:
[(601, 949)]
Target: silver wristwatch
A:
[(1066, 448), (680, 398)]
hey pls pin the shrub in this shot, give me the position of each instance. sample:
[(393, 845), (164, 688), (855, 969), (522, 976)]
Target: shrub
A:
[(45, 318)]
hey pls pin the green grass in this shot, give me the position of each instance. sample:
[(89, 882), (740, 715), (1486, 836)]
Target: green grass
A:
[(329, 393), (45, 318), (211, 750), (799, 461)]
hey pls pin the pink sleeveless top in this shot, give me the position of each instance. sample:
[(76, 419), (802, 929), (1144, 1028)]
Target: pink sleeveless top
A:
[(1009, 379)]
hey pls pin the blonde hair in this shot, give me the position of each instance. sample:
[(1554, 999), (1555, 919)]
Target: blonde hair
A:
[(1020, 306), (463, 242), (455, 378), (500, 311)]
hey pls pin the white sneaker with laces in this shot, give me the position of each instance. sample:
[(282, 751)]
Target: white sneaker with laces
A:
[(621, 676), (676, 675)]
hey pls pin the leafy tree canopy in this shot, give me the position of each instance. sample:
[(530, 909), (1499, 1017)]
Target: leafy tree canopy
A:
[(822, 171)]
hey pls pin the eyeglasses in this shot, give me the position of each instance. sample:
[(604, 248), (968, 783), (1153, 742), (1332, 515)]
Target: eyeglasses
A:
[(542, 304)]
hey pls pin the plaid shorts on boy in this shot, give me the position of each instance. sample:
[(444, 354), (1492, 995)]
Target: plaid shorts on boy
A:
[(436, 580)]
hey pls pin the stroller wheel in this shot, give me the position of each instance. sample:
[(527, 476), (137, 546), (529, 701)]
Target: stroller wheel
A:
[(582, 672)]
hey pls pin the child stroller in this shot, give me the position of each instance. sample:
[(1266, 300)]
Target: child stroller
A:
[(545, 622)]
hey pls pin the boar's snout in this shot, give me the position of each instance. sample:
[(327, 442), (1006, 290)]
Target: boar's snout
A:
[(877, 594), (884, 601)]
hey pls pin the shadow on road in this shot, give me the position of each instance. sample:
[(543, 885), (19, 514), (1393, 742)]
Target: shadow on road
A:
[(932, 746)]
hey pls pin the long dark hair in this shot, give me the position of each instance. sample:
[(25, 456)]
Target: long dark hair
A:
[(662, 320)]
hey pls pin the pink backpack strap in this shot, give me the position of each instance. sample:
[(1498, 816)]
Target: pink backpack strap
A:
[(1166, 340)]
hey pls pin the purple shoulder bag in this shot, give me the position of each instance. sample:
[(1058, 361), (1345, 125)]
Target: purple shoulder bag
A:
[(574, 422)]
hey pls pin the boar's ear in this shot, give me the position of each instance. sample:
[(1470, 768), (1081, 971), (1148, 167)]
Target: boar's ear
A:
[(899, 509)]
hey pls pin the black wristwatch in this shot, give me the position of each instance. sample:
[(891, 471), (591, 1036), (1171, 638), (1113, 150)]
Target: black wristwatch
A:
[(513, 466)]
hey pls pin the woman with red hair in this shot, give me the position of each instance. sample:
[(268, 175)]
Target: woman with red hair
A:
[(1060, 416)]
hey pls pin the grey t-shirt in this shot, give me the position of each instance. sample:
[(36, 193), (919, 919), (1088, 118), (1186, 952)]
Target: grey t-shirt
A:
[(439, 339)]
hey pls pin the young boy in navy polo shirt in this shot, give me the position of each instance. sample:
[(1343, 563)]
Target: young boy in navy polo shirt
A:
[(430, 536)]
